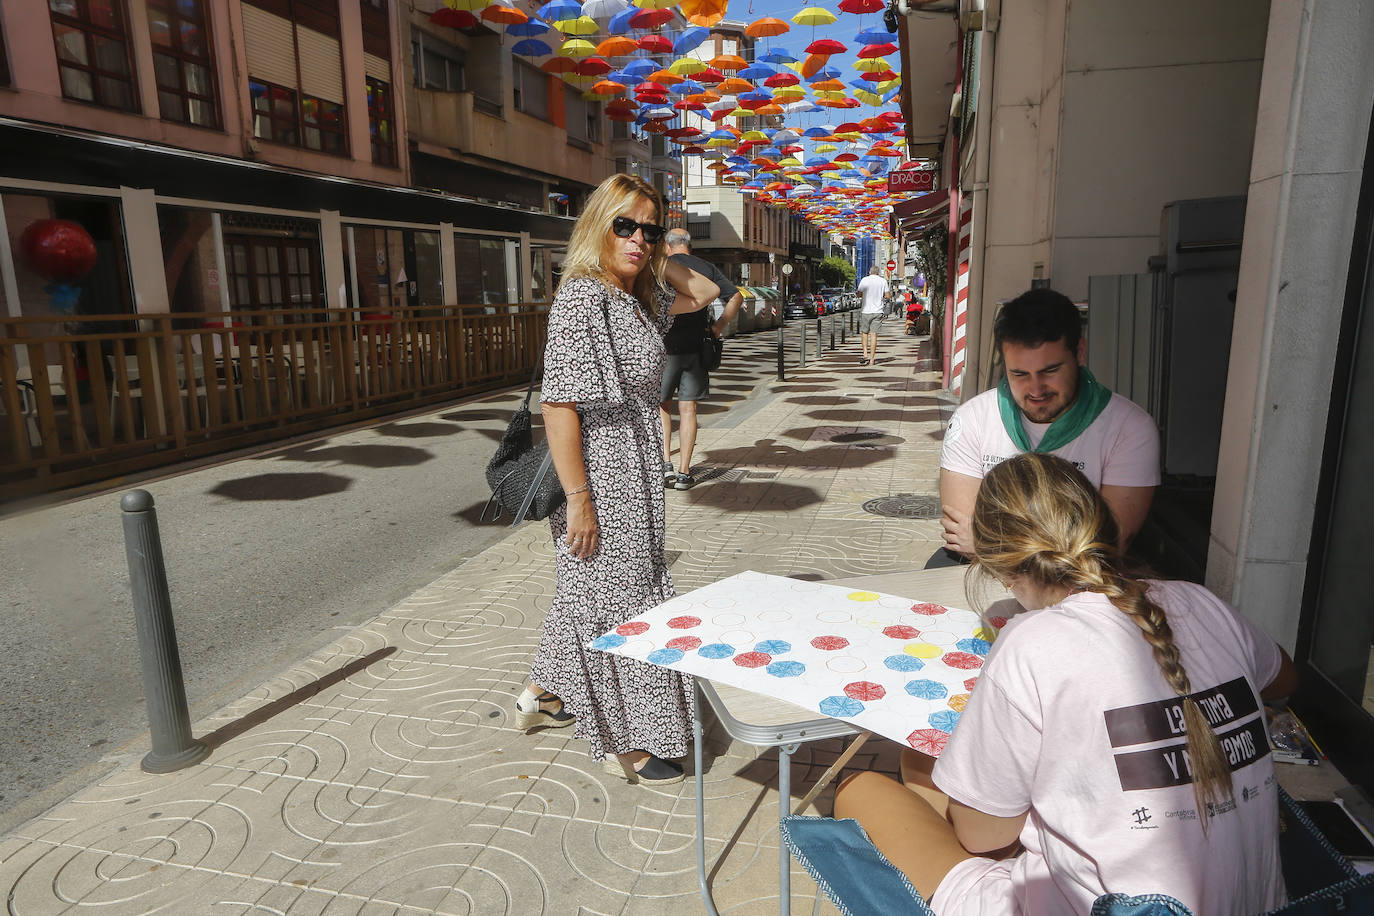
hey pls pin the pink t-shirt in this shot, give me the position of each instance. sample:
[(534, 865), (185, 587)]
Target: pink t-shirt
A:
[(1119, 448), (1071, 720)]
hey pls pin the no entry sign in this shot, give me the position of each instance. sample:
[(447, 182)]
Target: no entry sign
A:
[(891, 265)]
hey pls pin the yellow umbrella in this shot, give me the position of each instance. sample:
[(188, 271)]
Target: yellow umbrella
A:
[(467, 6), (888, 85), (657, 4), (789, 94), (790, 160), (596, 96), (577, 48), (871, 64), (814, 15), (580, 81), (687, 66), (868, 98), (741, 113), (582, 25), (826, 148), (721, 141), (828, 95), (753, 135)]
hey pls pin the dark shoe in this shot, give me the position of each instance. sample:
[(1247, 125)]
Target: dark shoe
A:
[(541, 715), (683, 481), (669, 473), (655, 771)]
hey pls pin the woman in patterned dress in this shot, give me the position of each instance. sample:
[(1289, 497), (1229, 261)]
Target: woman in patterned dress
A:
[(602, 367)]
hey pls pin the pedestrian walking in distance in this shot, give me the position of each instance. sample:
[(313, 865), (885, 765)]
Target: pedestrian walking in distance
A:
[(602, 367), (684, 376), (872, 293)]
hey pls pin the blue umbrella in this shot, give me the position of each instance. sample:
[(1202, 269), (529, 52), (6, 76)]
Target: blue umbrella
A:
[(690, 39), (687, 87), (529, 29), (531, 47), (815, 161), (873, 36), (812, 133), (620, 22), (755, 96), (824, 73), (721, 135), (639, 68), (779, 56), (558, 10), (757, 72)]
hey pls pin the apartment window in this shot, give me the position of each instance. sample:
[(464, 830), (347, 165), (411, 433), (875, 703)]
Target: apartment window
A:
[(295, 60), (181, 59), (274, 113), (437, 65), (584, 119), (379, 122), (93, 52), (531, 91)]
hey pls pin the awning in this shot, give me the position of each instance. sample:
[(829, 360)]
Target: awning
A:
[(920, 213), (929, 37)]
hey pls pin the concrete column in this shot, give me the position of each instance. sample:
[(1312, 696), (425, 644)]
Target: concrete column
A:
[(332, 244), (449, 264), (143, 241)]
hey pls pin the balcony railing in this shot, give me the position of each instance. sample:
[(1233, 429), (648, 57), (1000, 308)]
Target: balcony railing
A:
[(136, 391)]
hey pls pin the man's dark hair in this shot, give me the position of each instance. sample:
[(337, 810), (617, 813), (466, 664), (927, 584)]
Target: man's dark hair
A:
[(1036, 317)]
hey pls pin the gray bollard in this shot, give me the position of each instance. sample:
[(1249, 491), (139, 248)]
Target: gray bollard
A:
[(169, 719)]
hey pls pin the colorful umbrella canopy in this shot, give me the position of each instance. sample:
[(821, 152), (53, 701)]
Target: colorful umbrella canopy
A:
[(650, 19), (617, 46), (814, 15), (531, 29), (592, 66), (560, 9), (504, 11), (826, 46), (531, 47), (656, 44), (878, 50), (690, 39), (766, 27), (703, 12), (577, 48), (582, 25), (453, 19), (603, 9), (861, 6)]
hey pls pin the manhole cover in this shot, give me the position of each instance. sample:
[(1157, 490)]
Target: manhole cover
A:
[(904, 505)]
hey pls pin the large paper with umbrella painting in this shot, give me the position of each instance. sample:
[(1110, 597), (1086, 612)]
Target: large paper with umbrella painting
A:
[(899, 667)]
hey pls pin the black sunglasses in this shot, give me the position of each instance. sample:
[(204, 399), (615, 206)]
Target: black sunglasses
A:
[(625, 227)]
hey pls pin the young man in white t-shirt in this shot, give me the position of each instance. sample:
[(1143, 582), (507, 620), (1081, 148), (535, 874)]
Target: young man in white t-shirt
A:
[(872, 293), (1040, 338)]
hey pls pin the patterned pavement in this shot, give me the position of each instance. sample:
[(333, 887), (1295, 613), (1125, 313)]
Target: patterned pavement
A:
[(382, 775)]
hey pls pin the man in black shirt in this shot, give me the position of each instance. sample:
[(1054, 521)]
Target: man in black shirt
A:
[(684, 376)]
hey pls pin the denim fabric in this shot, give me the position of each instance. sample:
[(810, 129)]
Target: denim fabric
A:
[(1140, 905), (850, 869)]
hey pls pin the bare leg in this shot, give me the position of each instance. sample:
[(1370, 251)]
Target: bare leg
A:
[(904, 827), (916, 769), (687, 434), (666, 418)]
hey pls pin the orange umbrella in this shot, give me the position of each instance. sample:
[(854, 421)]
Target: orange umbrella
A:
[(608, 87), (772, 108), (558, 65), (813, 64), (766, 27), (664, 78), (617, 46), (504, 14), (734, 86), (703, 12), (729, 62), (827, 86)]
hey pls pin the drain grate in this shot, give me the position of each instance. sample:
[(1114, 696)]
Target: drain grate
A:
[(734, 475), (904, 505)]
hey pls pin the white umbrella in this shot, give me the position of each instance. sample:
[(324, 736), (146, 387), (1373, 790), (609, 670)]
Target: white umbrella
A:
[(604, 9)]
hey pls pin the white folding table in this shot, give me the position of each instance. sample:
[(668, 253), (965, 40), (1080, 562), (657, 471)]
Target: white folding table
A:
[(765, 722)]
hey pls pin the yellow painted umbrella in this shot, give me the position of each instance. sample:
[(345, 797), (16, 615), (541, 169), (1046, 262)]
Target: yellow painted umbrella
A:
[(741, 113), (577, 48), (580, 81), (657, 4), (826, 148), (687, 66), (868, 98), (753, 135), (789, 94), (721, 141), (789, 161), (582, 25), (828, 95), (814, 15), (467, 6), (872, 65), (888, 85)]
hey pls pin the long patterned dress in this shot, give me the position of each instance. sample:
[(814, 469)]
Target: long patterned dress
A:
[(605, 353)]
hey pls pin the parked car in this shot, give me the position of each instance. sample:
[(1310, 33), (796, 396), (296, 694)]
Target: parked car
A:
[(802, 305)]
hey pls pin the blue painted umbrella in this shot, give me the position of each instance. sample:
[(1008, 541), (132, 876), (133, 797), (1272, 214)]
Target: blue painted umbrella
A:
[(531, 47), (758, 71), (779, 55), (721, 135), (690, 39), (639, 68), (755, 96), (687, 87), (824, 73), (620, 22), (530, 29), (815, 161), (558, 10), (874, 36), (823, 131)]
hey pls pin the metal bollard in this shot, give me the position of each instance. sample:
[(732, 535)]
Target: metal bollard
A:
[(832, 330), (782, 377), (818, 338), (169, 719), (802, 362)]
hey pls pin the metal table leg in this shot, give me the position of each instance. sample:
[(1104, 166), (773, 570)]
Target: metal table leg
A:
[(785, 752), (697, 742)]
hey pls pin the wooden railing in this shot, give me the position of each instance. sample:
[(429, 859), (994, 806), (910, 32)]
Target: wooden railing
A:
[(131, 392)]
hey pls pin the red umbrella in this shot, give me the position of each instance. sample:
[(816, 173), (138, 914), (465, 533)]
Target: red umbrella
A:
[(778, 80), (881, 50), (558, 65), (848, 127), (825, 46), (591, 66), (861, 6), (650, 19), (710, 76), (454, 19), (879, 76), (656, 44)]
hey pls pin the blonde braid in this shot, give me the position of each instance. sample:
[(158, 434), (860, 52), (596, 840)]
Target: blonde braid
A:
[(1038, 517)]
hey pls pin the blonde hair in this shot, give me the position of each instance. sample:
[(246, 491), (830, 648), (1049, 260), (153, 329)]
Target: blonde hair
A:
[(1037, 516), (590, 245)]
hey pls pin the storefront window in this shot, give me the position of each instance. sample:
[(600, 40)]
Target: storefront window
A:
[(68, 255), (487, 270), (392, 269)]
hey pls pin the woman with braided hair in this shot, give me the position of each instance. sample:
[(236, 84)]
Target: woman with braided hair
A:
[(1114, 742)]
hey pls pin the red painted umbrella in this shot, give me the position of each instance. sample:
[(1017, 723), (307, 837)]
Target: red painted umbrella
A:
[(591, 66), (454, 19), (783, 78), (879, 76), (656, 44), (860, 6), (650, 19), (558, 65), (881, 50), (826, 46)]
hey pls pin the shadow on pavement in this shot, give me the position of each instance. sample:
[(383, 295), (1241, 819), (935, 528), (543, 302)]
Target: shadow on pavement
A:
[(769, 453), (286, 487), (367, 456), (299, 695), (416, 430), (922, 415)]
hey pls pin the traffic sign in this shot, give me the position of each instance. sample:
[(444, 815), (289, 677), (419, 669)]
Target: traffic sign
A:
[(786, 270), (891, 265)]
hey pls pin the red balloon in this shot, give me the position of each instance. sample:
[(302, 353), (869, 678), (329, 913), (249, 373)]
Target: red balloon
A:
[(59, 249)]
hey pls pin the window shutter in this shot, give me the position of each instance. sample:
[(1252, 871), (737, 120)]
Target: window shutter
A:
[(271, 52), (377, 68), (321, 65)]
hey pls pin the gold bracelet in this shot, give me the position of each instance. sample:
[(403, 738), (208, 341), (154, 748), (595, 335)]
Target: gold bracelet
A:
[(582, 489)]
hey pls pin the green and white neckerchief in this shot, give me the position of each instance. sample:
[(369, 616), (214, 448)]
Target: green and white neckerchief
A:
[(1090, 401)]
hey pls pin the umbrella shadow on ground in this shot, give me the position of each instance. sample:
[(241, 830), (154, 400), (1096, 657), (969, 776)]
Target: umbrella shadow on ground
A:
[(469, 416), (285, 487), (422, 430), (822, 400), (771, 453), (920, 415), (367, 456), (754, 496)]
